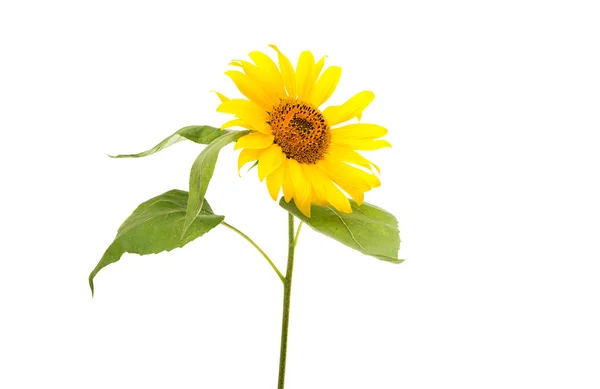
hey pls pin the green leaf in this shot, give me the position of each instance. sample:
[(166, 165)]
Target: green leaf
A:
[(202, 171), (199, 134), (255, 164), (156, 225), (368, 229)]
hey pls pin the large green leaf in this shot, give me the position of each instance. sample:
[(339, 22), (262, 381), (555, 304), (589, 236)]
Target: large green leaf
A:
[(368, 229), (202, 171), (199, 134), (157, 225)]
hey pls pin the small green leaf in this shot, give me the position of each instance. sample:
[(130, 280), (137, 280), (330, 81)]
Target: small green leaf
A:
[(202, 171), (368, 229), (199, 134), (255, 164), (156, 225)]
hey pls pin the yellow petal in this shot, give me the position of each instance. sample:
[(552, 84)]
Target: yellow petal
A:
[(300, 184), (221, 97), (250, 70), (324, 191), (270, 160), (233, 123), (288, 187), (304, 74), (272, 88), (316, 70), (304, 207), (337, 199), (287, 72), (318, 200), (260, 77), (249, 112), (254, 140), (354, 192), (334, 196), (348, 175), (357, 195), (362, 144), (248, 155), (268, 73), (359, 131), (326, 85), (252, 90), (318, 187), (352, 108), (346, 154), (274, 182)]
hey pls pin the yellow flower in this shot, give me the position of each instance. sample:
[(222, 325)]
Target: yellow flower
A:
[(295, 143)]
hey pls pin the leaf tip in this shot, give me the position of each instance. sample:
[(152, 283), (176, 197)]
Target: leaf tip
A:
[(91, 282)]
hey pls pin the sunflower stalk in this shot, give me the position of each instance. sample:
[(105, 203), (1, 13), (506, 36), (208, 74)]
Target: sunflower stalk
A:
[(287, 291)]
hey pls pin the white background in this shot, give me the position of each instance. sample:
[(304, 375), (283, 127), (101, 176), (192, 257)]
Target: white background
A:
[(493, 112)]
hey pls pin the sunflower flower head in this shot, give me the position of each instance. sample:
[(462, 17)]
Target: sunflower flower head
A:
[(307, 152)]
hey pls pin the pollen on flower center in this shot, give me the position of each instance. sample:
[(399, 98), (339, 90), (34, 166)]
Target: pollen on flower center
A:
[(301, 130)]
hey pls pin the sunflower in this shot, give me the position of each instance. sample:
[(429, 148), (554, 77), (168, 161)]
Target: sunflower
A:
[(297, 147)]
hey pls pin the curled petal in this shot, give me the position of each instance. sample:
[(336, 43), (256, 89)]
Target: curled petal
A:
[(352, 108)]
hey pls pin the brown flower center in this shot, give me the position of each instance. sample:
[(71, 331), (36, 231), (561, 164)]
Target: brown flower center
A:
[(301, 130)]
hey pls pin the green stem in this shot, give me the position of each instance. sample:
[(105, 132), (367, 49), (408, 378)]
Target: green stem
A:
[(287, 290), (297, 234), (258, 248)]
